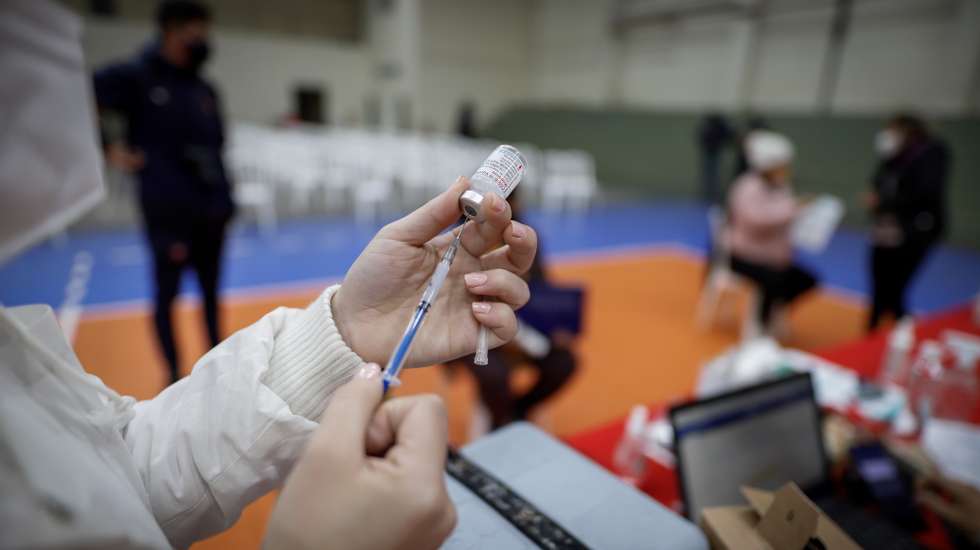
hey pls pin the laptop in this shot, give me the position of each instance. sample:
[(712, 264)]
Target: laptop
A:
[(765, 436), (582, 498)]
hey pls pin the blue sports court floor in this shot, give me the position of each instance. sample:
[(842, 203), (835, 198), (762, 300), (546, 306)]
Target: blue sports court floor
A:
[(312, 251)]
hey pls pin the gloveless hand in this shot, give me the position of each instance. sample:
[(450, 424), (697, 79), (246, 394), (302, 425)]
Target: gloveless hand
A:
[(370, 478), (383, 287)]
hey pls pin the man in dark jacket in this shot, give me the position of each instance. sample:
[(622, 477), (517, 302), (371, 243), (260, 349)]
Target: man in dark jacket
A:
[(714, 134), (908, 209), (173, 140)]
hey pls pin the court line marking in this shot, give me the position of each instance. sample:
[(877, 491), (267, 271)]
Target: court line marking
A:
[(625, 252), (127, 308)]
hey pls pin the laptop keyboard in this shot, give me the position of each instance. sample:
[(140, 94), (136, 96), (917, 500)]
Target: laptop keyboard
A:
[(867, 530)]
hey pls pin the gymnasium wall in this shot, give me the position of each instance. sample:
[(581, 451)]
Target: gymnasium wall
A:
[(921, 54), (470, 51), (255, 72), (653, 153)]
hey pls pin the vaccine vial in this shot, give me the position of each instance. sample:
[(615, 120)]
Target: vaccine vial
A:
[(499, 174)]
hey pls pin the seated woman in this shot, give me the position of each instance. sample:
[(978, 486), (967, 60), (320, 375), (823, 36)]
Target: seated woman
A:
[(761, 211)]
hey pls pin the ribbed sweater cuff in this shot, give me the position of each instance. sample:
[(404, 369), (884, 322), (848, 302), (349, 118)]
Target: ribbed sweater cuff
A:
[(310, 359)]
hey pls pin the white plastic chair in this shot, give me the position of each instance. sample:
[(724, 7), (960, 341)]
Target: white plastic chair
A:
[(338, 171), (259, 200), (569, 180), (532, 182), (721, 280), (253, 190), (370, 198)]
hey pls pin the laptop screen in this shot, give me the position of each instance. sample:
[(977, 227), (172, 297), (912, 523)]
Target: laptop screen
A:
[(761, 436)]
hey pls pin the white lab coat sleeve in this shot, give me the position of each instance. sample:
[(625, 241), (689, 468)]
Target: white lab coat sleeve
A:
[(231, 431)]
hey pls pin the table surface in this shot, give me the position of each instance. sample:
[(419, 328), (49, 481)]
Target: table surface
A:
[(863, 356)]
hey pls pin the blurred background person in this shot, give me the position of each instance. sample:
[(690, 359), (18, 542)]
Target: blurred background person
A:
[(173, 141), (466, 120), (762, 208), (714, 134), (907, 202)]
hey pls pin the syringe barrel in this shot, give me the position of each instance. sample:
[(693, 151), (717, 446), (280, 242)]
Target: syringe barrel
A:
[(404, 347)]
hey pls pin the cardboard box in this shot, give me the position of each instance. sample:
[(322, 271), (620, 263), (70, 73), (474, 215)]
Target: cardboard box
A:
[(784, 520)]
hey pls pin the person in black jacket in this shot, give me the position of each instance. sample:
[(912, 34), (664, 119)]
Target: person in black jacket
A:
[(714, 134), (908, 209), (173, 141)]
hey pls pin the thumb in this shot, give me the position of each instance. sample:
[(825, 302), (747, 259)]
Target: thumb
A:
[(344, 424), (430, 219)]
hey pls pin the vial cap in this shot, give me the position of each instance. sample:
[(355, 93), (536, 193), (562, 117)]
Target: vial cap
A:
[(470, 202)]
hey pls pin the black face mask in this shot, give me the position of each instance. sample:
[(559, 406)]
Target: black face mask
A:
[(198, 52)]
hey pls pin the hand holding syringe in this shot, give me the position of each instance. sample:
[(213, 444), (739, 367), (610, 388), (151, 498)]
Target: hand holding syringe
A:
[(497, 177), (429, 295)]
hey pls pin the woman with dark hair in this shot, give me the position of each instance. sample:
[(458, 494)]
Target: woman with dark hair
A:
[(908, 209)]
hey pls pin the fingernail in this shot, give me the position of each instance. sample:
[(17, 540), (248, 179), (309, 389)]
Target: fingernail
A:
[(475, 279), (499, 205), (517, 230), (369, 371), (481, 307)]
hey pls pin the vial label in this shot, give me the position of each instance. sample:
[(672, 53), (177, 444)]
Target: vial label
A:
[(504, 168)]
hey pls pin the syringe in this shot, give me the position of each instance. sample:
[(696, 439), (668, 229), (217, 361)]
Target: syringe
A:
[(398, 357)]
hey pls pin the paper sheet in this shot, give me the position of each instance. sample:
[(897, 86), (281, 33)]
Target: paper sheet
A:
[(955, 448), (817, 222)]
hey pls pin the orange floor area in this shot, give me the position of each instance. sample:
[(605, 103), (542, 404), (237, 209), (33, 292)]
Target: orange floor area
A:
[(640, 345)]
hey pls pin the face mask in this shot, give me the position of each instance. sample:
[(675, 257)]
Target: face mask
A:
[(198, 52), (887, 143), (50, 164)]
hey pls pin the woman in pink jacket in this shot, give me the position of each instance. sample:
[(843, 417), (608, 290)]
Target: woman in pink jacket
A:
[(761, 211)]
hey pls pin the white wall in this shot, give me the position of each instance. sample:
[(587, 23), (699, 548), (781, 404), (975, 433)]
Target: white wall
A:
[(255, 73), (571, 52), (444, 52), (790, 60), (679, 66), (471, 50), (910, 53), (917, 54)]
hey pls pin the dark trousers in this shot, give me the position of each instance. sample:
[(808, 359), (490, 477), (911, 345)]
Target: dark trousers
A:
[(198, 246), (493, 380), (892, 269), (776, 285), (710, 177)]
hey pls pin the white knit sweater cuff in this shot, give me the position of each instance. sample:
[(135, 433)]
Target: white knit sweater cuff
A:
[(310, 359)]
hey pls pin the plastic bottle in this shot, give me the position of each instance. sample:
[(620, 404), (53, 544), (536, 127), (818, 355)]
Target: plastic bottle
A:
[(628, 459), (976, 310), (942, 389), (924, 376), (894, 367)]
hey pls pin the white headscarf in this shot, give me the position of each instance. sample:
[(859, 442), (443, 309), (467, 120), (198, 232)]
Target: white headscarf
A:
[(766, 150)]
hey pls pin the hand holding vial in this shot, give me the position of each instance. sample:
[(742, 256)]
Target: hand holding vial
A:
[(382, 288)]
